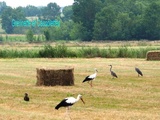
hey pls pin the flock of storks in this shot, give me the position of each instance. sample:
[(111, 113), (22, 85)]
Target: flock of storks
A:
[(69, 101), (90, 78)]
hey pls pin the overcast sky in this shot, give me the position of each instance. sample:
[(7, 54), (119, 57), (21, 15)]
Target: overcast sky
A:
[(23, 3)]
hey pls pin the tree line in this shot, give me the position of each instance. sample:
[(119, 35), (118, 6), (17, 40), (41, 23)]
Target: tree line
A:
[(90, 20)]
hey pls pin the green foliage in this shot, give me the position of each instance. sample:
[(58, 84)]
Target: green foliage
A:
[(104, 20), (6, 20), (75, 33), (1, 38), (59, 51), (62, 32), (2, 6), (29, 35), (123, 52), (62, 51), (6, 53), (51, 12), (84, 12), (47, 35), (90, 52), (10, 14), (151, 21), (118, 20), (39, 38), (47, 51), (67, 13), (31, 10), (91, 20)]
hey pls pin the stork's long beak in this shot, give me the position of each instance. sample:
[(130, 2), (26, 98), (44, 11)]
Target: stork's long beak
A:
[(83, 101)]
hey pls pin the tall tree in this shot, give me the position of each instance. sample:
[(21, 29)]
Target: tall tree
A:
[(2, 6), (7, 20), (104, 22), (151, 21), (32, 10), (67, 12), (84, 12), (8, 15), (120, 20), (51, 12)]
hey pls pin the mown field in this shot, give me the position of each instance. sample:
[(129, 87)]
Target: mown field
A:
[(128, 97)]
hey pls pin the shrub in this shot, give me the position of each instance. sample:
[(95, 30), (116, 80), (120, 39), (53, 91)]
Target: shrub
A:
[(89, 52), (123, 52), (18, 53), (61, 51), (47, 51), (1, 38), (47, 35), (29, 35)]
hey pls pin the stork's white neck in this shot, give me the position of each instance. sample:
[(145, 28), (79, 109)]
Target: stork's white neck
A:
[(95, 71), (78, 97)]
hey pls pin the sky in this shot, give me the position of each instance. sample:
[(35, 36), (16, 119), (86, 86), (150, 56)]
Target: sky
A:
[(24, 3)]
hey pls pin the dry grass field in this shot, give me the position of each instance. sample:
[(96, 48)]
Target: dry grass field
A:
[(128, 97)]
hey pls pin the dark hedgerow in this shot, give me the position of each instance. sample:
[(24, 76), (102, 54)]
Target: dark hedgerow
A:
[(62, 51), (10, 53), (47, 51), (59, 51)]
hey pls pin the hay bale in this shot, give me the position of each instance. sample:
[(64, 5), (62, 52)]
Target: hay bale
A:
[(153, 55), (52, 77)]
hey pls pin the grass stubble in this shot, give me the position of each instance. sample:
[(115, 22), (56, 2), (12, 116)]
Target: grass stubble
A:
[(128, 97)]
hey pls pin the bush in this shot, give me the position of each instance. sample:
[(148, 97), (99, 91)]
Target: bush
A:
[(62, 51), (90, 52), (1, 38), (29, 35), (47, 35), (47, 51), (18, 53), (59, 51)]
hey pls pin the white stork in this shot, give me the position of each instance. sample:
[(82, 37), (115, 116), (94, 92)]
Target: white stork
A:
[(90, 78), (138, 71), (69, 101)]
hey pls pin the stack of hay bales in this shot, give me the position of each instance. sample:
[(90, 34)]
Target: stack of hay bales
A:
[(153, 55), (52, 76)]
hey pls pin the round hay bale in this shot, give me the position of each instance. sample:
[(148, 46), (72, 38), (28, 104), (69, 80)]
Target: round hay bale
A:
[(153, 55), (52, 77)]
